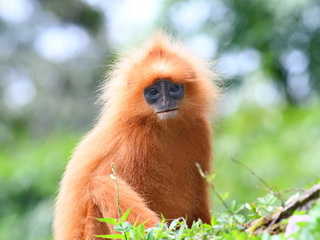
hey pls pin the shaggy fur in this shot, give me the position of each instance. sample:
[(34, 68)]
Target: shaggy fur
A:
[(154, 159)]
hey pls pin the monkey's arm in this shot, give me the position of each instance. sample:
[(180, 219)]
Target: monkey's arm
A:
[(104, 195)]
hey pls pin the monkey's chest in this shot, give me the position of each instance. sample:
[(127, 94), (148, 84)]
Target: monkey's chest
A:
[(166, 175), (169, 189)]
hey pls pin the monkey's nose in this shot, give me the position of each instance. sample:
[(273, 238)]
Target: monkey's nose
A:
[(165, 101)]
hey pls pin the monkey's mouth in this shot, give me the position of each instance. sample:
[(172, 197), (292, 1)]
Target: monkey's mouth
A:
[(166, 114), (168, 110)]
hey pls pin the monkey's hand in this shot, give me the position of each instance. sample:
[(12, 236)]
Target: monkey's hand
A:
[(105, 194)]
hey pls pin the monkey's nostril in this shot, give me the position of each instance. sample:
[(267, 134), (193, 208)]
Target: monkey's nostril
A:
[(165, 101)]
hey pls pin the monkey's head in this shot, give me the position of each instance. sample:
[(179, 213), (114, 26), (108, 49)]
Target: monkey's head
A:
[(161, 81)]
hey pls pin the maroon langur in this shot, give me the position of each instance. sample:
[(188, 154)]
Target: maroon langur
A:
[(154, 127)]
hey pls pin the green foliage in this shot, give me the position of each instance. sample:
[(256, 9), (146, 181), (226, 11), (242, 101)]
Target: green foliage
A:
[(281, 145), (30, 170), (224, 226), (235, 223), (311, 229)]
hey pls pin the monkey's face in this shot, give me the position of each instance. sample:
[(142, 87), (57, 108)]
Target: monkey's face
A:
[(164, 97)]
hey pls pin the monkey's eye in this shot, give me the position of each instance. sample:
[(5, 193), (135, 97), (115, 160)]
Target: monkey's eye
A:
[(174, 88), (153, 91)]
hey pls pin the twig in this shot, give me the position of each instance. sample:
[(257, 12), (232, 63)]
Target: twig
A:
[(114, 176), (310, 195), (221, 199)]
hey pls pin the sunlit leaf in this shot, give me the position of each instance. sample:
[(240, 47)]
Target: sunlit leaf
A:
[(125, 216), (112, 221)]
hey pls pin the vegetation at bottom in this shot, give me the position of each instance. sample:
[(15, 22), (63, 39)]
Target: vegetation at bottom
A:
[(231, 225)]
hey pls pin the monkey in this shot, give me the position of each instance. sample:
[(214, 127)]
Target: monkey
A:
[(154, 127)]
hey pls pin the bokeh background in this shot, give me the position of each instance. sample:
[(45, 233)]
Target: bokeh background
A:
[(54, 54)]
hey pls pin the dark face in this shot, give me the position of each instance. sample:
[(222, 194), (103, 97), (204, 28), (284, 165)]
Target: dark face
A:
[(164, 97)]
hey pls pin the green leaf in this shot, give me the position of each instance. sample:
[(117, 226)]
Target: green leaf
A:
[(262, 201), (181, 231), (239, 218), (125, 216), (110, 236), (163, 219), (206, 226), (213, 221), (124, 227), (210, 177), (150, 235), (233, 205), (249, 206), (137, 232), (112, 221), (173, 224), (225, 196)]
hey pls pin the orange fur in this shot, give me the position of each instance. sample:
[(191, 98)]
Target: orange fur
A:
[(154, 159)]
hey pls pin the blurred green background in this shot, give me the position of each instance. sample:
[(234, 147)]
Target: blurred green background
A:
[(54, 54)]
